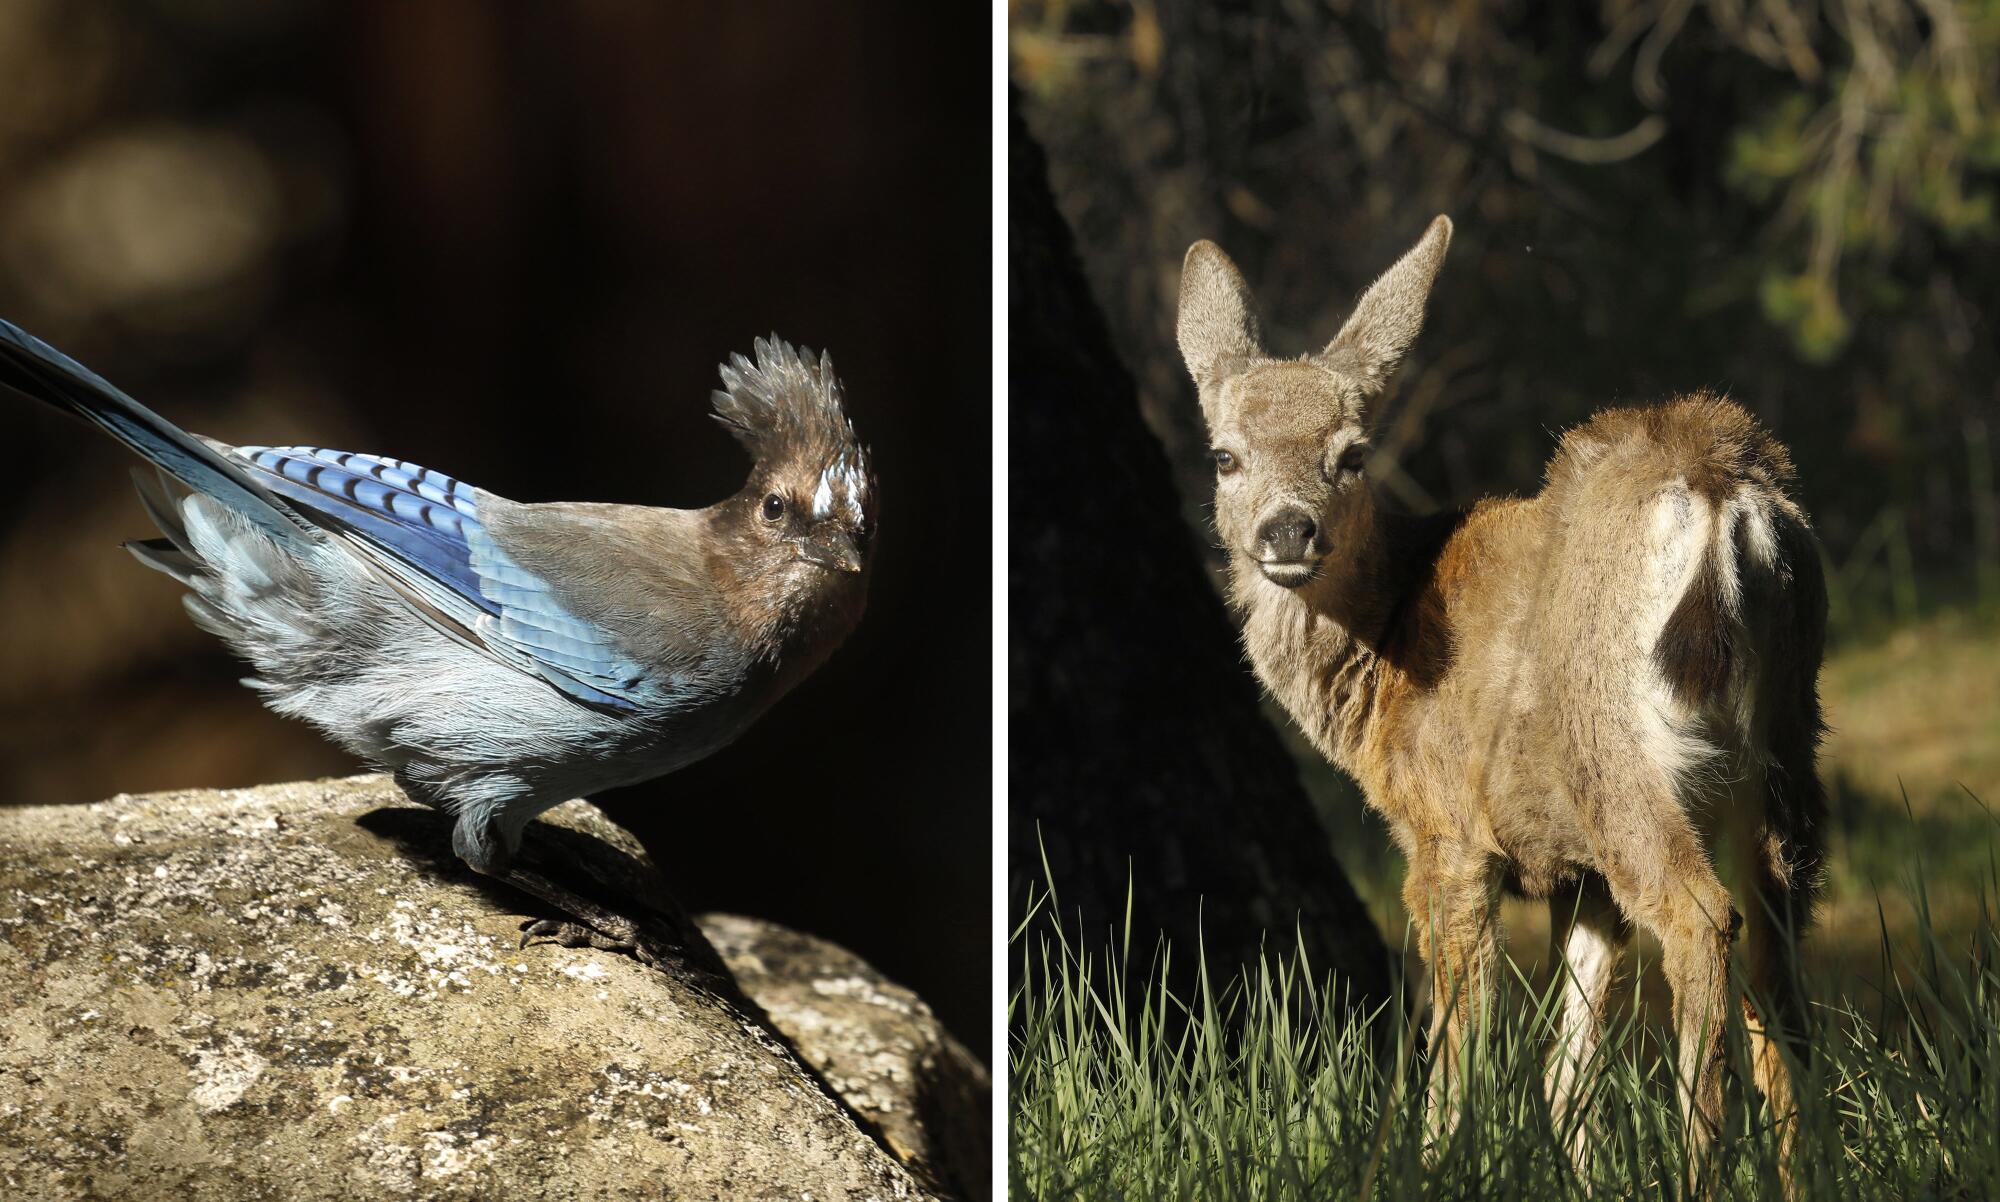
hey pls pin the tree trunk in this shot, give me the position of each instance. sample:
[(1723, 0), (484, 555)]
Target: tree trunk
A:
[(1139, 753)]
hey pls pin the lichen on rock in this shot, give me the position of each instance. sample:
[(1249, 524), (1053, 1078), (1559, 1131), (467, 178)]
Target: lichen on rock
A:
[(293, 992)]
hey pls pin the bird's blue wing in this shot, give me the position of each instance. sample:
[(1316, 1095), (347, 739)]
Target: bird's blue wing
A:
[(423, 527)]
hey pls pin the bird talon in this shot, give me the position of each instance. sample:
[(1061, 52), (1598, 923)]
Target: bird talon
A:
[(539, 928), (569, 933)]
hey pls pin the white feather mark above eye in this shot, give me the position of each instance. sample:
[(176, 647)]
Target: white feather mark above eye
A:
[(852, 484), (844, 480)]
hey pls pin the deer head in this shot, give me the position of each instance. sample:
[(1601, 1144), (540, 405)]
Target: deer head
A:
[(1289, 436)]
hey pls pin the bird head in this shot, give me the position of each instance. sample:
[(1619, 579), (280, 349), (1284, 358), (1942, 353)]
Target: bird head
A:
[(809, 507)]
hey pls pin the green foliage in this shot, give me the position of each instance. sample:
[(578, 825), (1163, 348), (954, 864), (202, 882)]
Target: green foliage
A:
[(1809, 308), (1765, 155), (1897, 147)]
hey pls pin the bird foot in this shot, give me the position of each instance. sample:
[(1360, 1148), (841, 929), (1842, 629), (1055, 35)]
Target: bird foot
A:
[(566, 932), (587, 924)]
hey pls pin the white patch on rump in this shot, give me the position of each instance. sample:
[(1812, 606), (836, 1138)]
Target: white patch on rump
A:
[(1678, 525), (1678, 538)]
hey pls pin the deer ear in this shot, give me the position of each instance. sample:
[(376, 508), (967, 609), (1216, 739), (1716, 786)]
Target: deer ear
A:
[(1217, 327), (1386, 319)]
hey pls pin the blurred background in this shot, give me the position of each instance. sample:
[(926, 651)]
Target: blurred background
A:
[(1790, 200), (512, 243)]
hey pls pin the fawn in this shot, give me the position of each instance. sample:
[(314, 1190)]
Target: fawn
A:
[(1568, 696)]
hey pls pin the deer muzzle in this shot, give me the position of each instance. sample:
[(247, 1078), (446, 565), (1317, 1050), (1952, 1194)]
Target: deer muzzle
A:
[(1288, 551)]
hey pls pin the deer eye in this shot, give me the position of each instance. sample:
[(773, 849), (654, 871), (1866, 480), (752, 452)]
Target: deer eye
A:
[(1225, 463), (774, 507), (1355, 457)]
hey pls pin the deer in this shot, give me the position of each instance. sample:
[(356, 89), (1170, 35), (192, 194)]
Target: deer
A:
[(1580, 696)]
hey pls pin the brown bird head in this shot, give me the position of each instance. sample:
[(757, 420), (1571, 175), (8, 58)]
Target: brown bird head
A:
[(808, 510)]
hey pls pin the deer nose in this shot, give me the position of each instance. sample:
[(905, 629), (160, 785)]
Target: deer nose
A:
[(1287, 535)]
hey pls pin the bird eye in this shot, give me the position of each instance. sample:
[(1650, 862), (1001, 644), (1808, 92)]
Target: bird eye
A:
[(774, 507), (1354, 458), (1224, 461)]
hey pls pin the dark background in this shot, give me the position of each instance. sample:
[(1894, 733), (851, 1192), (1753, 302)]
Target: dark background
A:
[(512, 243)]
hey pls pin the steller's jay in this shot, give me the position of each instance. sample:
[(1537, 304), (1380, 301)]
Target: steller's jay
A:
[(497, 657)]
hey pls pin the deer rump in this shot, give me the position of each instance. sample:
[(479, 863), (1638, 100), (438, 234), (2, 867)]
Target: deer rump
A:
[(1672, 614)]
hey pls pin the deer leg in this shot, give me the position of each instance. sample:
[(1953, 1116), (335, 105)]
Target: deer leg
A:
[(1696, 956), (1673, 889), (1454, 895), (1587, 937), (1781, 874), (1661, 876)]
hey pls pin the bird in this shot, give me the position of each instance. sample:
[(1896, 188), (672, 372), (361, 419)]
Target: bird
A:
[(498, 657)]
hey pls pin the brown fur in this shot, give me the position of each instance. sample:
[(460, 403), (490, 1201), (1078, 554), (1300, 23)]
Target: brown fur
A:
[(1571, 694)]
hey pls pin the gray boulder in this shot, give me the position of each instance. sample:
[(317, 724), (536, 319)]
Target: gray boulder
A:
[(293, 992)]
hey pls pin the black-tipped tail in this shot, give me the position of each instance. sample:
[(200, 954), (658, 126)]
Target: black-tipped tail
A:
[(1697, 647), (35, 369)]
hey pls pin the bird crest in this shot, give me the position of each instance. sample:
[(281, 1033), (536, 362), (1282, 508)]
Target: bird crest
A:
[(786, 408)]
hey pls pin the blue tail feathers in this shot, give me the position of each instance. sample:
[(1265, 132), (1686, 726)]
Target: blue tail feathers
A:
[(35, 369)]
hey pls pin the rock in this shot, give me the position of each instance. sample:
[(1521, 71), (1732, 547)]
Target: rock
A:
[(294, 992), (875, 1043)]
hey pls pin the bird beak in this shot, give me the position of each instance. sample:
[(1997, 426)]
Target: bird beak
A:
[(836, 553)]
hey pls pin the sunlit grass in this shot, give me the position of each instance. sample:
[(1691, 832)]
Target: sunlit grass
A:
[(1916, 708), (1268, 1087)]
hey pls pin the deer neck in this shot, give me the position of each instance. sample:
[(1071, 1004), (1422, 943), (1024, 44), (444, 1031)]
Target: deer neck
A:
[(1330, 650)]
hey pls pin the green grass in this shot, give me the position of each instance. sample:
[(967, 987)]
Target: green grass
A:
[(1268, 1088)]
